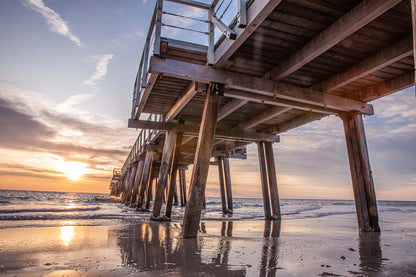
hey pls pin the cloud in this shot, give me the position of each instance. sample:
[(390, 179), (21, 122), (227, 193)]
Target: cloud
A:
[(55, 22), (100, 69), (34, 125)]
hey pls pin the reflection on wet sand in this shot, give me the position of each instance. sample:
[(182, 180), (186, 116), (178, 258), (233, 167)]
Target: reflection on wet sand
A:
[(158, 246), (270, 250), (370, 253)]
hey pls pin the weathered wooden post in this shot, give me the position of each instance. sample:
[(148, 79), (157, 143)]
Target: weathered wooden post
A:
[(228, 190), (264, 182), (139, 173), (361, 175), (182, 196), (222, 189), (271, 170), (163, 174), (184, 185), (149, 194), (203, 151), (127, 185), (145, 177), (173, 174)]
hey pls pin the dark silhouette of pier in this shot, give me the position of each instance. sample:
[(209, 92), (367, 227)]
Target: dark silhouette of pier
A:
[(278, 65)]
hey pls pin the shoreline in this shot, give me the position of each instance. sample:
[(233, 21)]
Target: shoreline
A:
[(329, 246)]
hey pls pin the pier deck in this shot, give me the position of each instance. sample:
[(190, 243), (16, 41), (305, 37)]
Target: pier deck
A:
[(278, 65)]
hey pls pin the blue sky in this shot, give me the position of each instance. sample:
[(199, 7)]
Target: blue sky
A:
[(66, 79)]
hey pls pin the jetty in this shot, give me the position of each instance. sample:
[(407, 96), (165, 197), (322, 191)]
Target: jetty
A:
[(241, 72)]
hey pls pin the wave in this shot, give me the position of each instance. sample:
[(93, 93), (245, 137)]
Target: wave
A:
[(72, 217), (61, 210)]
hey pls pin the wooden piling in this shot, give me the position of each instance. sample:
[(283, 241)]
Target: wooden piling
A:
[(137, 179), (201, 163), (181, 192), (173, 174), (264, 182), (149, 194), (147, 167), (163, 174), (222, 189), (361, 175), (271, 173), (184, 185), (227, 176)]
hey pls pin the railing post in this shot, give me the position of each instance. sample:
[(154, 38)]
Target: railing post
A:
[(210, 53), (158, 27), (242, 14)]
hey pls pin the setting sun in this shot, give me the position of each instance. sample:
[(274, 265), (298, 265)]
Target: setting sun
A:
[(73, 170)]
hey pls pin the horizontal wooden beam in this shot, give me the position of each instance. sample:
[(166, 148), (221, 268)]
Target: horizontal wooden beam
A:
[(257, 85), (270, 100), (183, 100), (381, 59), (187, 129), (295, 122), (385, 88), (262, 117), (355, 19), (256, 14), (230, 107)]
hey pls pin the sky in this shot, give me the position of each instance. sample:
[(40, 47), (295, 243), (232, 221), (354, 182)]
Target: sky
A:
[(66, 79)]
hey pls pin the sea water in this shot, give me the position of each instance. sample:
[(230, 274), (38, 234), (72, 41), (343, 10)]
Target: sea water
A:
[(47, 209)]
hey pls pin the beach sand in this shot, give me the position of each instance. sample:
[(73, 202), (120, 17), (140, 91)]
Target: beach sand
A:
[(329, 246)]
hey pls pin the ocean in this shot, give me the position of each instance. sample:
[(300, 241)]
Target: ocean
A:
[(51, 209)]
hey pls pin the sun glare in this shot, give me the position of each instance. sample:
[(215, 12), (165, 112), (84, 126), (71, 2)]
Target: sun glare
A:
[(73, 170), (67, 232)]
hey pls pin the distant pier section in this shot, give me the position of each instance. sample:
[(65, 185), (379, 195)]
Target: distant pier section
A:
[(217, 76)]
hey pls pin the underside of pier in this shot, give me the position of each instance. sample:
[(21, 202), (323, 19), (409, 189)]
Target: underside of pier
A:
[(277, 65)]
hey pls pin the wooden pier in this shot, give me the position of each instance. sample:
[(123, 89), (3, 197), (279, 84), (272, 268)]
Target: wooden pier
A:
[(278, 65)]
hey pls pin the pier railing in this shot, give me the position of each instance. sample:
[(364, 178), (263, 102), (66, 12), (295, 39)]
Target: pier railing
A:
[(145, 136), (177, 19)]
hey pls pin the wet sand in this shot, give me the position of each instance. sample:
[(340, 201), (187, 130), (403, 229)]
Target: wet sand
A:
[(329, 246)]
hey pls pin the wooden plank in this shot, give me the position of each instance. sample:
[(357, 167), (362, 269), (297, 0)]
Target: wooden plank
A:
[(192, 130), (381, 59), (201, 164), (271, 173), (230, 107), (228, 190), (220, 160), (256, 14), (362, 181), (187, 95), (185, 46), (173, 174), (163, 174), (248, 83), (262, 117), (147, 167), (264, 185), (351, 22)]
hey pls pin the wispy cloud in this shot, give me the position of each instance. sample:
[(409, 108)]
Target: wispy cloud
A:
[(55, 22), (100, 69)]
